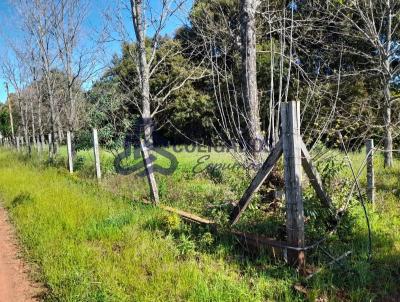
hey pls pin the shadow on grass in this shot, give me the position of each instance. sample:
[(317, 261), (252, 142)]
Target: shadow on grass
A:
[(355, 278)]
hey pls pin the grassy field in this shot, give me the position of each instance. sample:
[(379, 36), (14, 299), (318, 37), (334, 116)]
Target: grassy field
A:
[(95, 242)]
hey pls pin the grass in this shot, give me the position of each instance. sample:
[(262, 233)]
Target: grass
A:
[(92, 243), (92, 246)]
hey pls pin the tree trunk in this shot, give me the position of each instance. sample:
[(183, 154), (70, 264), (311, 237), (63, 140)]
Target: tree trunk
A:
[(387, 116), (249, 73), (33, 125), (10, 113), (137, 12), (72, 113), (60, 130), (50, 89), (40, 124), (23, 114), (54, 133), (139, 26)]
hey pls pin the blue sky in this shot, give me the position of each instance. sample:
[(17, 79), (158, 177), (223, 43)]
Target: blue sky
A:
[(94, 21)]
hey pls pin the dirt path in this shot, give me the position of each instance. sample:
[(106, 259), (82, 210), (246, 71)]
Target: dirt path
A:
[(15, 285)]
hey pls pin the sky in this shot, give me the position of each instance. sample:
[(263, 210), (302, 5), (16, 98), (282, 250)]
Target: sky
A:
[(9, 27)]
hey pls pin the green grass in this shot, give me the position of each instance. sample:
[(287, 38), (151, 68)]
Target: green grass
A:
[(92, 246), (194, 186), (90, 242)]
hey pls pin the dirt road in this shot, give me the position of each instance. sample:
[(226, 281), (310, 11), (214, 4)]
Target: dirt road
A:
[(15, 285)]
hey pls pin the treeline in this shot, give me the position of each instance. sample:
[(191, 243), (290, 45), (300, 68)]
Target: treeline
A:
[(220, 77)]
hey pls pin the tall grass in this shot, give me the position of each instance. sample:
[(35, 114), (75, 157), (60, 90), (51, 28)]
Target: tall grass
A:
[(92, 243), (92, 246)]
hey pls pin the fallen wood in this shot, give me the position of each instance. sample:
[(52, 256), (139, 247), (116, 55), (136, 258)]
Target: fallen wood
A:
[(252, 240), (259, 241), (188, 216), (248, 239)]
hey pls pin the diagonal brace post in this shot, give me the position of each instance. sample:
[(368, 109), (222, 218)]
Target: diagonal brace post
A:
[(255, 185)]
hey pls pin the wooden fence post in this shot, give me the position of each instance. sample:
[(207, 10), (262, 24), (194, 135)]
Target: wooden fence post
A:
[(50, 146), (96, 152), (370, 170), (43, 140), (292, 145), (40, 144), (17, 138), (69, 150)]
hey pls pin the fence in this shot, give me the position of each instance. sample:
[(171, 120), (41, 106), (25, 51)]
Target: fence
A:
[(296, 159), (40, 145)]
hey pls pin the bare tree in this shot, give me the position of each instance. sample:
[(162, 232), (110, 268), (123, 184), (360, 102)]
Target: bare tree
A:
[(38, 93), (38, 21), (77, 59), (149, 23), (139, 24), (374, 26)]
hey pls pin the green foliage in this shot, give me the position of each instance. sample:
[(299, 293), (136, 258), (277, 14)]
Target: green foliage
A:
[(188, 108), (5, 127), (108, 112), (329, 170)]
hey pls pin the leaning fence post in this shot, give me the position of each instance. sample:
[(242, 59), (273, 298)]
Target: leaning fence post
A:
[(292, 143), (370, 170), (69, 150), (96, 153)]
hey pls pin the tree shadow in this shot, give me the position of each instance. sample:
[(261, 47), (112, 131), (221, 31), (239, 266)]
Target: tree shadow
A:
[(353, 278)]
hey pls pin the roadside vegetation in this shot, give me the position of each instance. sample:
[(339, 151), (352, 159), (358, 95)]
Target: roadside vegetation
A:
[(98, 242), (241, 73)]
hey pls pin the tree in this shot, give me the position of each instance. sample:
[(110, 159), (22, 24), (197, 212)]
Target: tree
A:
[(38, 22), (374, 30), (5, 125), (145, 53), (189, 105), (10, 112), (248, 29), (77, 61), (109, 112), (16, 74)]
